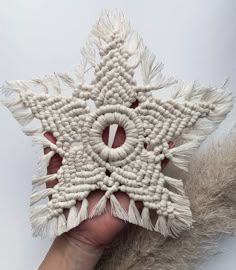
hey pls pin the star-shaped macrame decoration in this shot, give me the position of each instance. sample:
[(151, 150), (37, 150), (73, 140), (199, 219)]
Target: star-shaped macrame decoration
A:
[(119, 58)]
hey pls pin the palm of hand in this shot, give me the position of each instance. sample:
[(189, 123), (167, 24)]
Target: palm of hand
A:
[(100, 230)]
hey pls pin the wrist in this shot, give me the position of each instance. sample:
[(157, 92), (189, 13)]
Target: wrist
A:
[(68, 253)]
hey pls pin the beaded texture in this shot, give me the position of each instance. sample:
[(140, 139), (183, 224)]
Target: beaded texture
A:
[(115, 52)]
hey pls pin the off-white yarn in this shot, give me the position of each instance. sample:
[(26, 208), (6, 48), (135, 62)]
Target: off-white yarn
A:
[(114, 51)]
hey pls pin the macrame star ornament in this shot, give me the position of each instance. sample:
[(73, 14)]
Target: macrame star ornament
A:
[(115, 53)]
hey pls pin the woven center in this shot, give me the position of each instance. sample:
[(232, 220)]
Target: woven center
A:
[(111, 138), (101, 148)]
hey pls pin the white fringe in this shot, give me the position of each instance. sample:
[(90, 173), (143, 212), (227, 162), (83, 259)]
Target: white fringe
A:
[(16, 86), (133, 213), (161, 226), (39, 180), (99, 208), (32, 131), (107, 24), (184, 216), (176, 226), (181, 200), (116, 209), (145, 219), (23, 117), (79, 71), (13, 103), (135, 47), (89, 53), (39, 220), (83, 212), (61, 225), (181, 154), (72, 218), (53, 79), (52, 226), (41, 139), (39, 195), (76, 216), (199, 131), (45, 160), (152, 72), (42, 83), (39, 227), (175, 183), (67, 79), (220, 98), (38, 211)]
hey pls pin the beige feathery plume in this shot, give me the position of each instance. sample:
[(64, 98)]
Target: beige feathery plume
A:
[(211, 187)]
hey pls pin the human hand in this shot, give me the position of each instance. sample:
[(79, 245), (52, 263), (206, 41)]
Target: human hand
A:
[(91, 236)]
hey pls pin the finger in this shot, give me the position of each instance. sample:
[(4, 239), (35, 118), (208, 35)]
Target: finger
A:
[(55, 162), (119, 137)]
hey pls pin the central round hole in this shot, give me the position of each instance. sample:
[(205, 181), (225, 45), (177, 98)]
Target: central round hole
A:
[(114, 136)]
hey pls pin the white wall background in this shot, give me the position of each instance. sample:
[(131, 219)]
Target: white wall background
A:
[(195, 40)]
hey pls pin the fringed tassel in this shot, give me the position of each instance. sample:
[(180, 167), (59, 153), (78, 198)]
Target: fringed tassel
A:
[(20, 108), (32, 131), (4, 90), (150, 68), (116, 209), (183, 214), (12, 104), (40, 180), (175, 227), (134, 46), (19, 111), (52, 226), (222, 100), (67, 79), (146, 219), (75, 217), (38, 211), (106, 25), (99, 208), (184, 90), (38, 217), (152, 72), (175, 183), (16, 86), (61, 225), (41, 139), (133, 214), (199, 131), (83, 212), (72, 218), (180, 199), (42, 194), (55, 83), (39, 227), (23, 117), (89, 54), (41, 83), (45, 160), (161, 226), (181, 154)]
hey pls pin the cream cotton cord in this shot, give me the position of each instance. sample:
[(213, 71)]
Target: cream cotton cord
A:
[(115, 52)]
